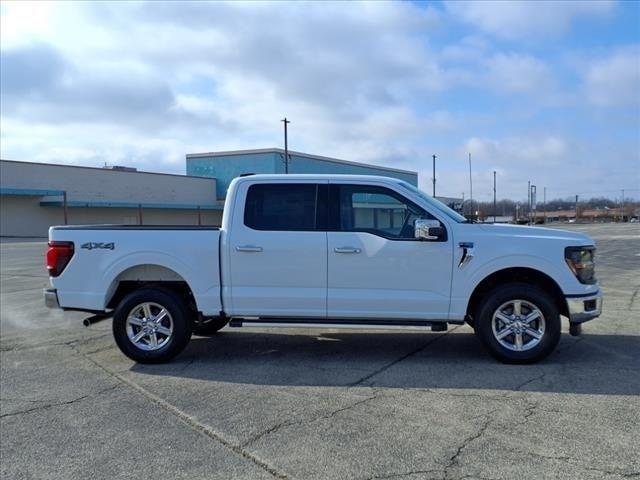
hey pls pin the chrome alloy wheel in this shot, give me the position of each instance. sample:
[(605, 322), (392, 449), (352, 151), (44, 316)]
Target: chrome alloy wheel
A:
[(149, 326), (518, 325)]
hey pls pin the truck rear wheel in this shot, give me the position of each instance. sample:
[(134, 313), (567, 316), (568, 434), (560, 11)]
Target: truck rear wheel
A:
[(518, 323), (151, 325)]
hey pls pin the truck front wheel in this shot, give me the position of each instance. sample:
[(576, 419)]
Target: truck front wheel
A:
[(151, 325), (518, 323)]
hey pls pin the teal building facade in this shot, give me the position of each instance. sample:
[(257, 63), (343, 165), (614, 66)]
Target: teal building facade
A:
[(225, 166)]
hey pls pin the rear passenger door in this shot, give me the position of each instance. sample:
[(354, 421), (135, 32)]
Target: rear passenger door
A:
[(278, 250)]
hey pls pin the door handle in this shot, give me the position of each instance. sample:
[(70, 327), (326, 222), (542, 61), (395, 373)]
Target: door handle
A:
[(347, 250), (248, 248)]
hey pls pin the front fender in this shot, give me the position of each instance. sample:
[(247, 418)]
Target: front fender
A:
[(469, 276), (473, 275)]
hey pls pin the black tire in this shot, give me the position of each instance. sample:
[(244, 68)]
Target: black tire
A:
[(179, 315), (210, 326), (532, 296), (471, 323)]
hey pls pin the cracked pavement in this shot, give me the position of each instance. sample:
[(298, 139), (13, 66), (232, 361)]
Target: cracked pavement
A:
[(298, 404)]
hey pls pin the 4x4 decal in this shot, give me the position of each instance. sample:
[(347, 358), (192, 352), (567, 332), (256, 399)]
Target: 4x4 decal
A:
[(92, 245)]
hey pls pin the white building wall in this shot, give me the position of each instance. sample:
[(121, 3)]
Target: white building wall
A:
[(100, 184), (24, 216)]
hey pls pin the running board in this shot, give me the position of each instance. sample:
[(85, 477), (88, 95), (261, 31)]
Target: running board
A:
[(341, 323)]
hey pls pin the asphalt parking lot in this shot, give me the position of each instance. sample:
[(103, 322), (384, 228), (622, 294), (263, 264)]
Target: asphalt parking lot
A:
[(299, 404)]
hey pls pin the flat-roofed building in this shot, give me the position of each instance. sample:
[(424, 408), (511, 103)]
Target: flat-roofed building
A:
[(32, 198), (225, 166)]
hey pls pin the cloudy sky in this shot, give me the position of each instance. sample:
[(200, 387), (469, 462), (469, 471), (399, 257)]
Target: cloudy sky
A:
[(540, 91)]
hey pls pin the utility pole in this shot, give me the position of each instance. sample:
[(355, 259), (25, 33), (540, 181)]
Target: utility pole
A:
[(622, 206), (470, 187), (534, 202), (64, 207), (434, 176), (494, 196), (544, 199), (286, 146), (529, 202), (576, 208)]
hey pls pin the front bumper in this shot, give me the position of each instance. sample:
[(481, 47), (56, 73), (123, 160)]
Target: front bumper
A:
[(51, 298), (582, 309)]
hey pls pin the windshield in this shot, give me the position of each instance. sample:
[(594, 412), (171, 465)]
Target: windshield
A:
[(435, 203)]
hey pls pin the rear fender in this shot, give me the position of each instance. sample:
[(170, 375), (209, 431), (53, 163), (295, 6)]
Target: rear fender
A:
[(152, 266)]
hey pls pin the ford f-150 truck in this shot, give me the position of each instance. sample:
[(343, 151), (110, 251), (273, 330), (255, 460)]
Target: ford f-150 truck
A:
[(327, 251)]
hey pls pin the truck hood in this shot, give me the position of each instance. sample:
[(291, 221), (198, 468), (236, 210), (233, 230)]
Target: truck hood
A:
[(537, 232)]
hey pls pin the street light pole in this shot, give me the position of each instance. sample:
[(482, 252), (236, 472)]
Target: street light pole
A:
[(434, 176), (286, 146), (529, 202), (494, 196), (470, 187), (534, 202), (64, 207)]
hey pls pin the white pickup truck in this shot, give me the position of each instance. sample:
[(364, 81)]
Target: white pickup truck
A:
[(327, 251)]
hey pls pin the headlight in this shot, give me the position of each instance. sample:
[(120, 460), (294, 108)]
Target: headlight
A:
[(581, 262)]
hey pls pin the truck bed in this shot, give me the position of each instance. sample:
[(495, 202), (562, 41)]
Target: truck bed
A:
[(105, 255), (135, 227)]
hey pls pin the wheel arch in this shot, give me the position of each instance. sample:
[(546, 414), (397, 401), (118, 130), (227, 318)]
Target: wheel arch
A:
[(510, 275), (148, 275)]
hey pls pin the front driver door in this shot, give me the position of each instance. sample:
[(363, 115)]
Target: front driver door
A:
[(376, 268)]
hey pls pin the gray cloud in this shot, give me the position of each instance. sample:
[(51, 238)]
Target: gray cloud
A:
[(30, 70), (528, 19), (40, 85), (614, 81)]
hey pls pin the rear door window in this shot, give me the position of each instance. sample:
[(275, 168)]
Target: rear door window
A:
[(286, 207)]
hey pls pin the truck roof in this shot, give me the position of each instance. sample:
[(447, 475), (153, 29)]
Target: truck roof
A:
[(317, 176)]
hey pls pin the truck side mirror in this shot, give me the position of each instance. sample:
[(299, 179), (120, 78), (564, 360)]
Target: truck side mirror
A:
[(428, 229)]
